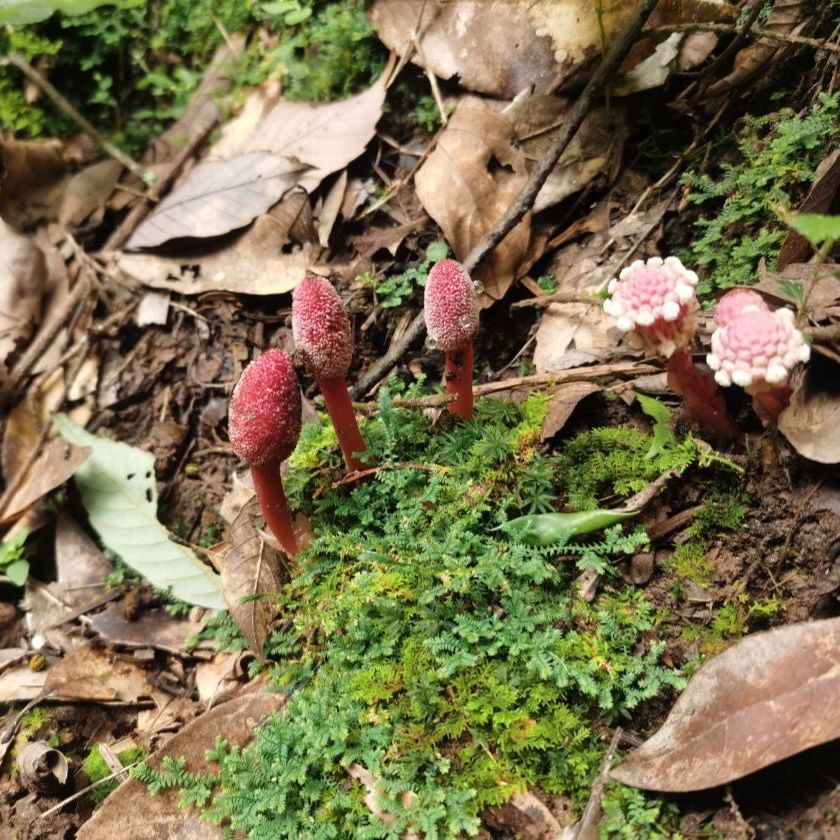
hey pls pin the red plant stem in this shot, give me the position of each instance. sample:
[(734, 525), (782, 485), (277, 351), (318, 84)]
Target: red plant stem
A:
[(272, 499), (768, 405), (340, 409), (704, 403), (458, 378)]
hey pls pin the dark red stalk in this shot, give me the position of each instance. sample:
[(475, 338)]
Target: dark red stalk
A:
[(340, 409), (704, 402), (272, 499), (770, 404), (457, 378)]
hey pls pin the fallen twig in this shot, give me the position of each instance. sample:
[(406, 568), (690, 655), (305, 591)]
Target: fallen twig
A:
[(587, 828), (574, 118)]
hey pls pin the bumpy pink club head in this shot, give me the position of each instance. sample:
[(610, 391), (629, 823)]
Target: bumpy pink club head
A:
[(655, 300), (451, 306), (265, 410), (321, 328), (757, 349), (736, 301)]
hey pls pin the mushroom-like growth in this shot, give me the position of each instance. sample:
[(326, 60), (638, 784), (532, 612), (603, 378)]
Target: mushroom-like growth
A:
[(736, 301), (757, 349), (451, 309), (655, 301), (264, 423), (321, 330)]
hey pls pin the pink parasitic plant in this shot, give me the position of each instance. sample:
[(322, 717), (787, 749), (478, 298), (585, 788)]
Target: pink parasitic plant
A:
[(450, 305), (321, 330), (656, 302), (756, 349), (264, 421)]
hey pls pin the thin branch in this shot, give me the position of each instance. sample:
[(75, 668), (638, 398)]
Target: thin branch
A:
[(525, 201), (62, 104)]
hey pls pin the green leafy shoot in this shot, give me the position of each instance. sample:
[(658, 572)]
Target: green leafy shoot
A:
[(394, 290), (13, 558), (818, 229), (663, 437)]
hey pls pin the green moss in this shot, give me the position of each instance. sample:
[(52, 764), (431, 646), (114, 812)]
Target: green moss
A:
[(96, 769), (777, 158), (690, 562)]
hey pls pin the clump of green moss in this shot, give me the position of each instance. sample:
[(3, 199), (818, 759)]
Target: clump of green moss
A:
[(96, 769)]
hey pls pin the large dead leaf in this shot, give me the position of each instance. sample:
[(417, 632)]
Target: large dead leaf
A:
[(254, 264), (55, 465), (161, 816), (251, 568), (595, 149), (87, 191), (812, 420), (23, 276), (768, 697), (33, 173), (90, 675), (154, 628), (463, 188), (503, 48), (219, 196)]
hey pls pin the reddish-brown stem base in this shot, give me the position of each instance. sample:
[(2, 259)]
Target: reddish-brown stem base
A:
[(272, 499), (704, 403), (457, 378), (340, 409), (768, 405)]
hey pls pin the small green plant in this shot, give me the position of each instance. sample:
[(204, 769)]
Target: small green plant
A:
[(394, 290), (96, 768), (777, 157), (690, 562), (631, 814), (13, 558)]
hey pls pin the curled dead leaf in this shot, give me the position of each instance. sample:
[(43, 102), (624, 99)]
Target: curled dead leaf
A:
[(766, 698), (811, 422), (564, 401)]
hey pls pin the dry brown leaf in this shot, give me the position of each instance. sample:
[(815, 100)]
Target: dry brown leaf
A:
[(462, 190), (117, 816), (87, 191), (217, 197), (92, 676), (526, 817), (23, 278), (594, 150), (214, 677), (32, 173), (154, 628), (23, 428), (768, 697), (253, 265), (652, 71), (331, 208), (57, 463), (811, 422), (574, 334), (796, 248), (81, 566), (20, 684), (564, 401), (505, 48), (492, 47), (249, 568)]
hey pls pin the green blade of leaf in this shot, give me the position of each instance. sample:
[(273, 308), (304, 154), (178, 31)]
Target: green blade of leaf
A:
[(119, 492), (17, 572), (663, 437), (816, 228), (550, 528), (22, 12)]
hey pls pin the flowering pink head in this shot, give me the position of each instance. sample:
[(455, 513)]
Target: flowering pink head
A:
[(265, 410), (451, 306), (757, 349), (321, 328), (655, 300), (736, 301)]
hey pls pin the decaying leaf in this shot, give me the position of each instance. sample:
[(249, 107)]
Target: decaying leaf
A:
[(80, 565), (33, 172), (56, 464), (23, 428), (253, 265), (87, 191), (812, 420), (505, 48), (564, 401), (153, 629), (250, 569), (90, 675), (117, 817), (573, 334), (219, 196), (526, 817), (23, 277), (118, 488), (594, 150), (768, 697), (465, 193), (41, 766)]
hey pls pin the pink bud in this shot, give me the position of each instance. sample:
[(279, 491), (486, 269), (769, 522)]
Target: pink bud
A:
[(451, 306), (757, 349), (265, 410), (736, 301), (655, 300), (321, 328)]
